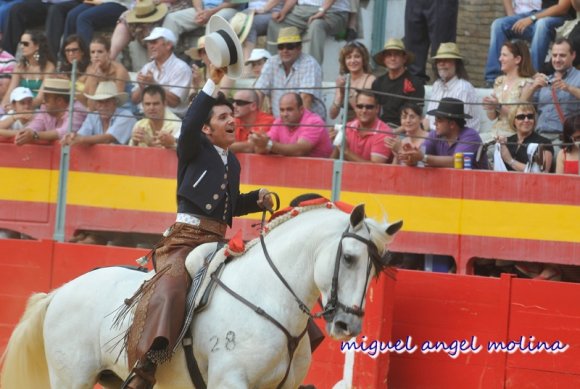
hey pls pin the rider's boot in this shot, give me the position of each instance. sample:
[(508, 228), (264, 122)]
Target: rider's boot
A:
[(142, 376)]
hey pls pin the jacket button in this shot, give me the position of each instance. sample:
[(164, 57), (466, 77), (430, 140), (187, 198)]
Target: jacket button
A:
[(225, 176), (208, 206), (215, 197), (223, 186)]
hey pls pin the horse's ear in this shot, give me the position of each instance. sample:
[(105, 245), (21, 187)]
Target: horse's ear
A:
[(392, 229), (357, 216)]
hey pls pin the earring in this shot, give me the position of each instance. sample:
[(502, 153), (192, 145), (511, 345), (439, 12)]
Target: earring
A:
[(36, 56)]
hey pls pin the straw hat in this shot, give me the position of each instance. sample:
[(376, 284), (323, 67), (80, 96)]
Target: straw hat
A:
[(288, 35), (59, 86), (107, 90), (448, 50), (194, 51), (393, 44), (223, 47), (145, 11), (242, 24)]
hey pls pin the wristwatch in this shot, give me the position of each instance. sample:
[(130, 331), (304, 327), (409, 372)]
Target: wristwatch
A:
[(321, 9), (269, 145), (424, 160), (35, 135), (534, 18)]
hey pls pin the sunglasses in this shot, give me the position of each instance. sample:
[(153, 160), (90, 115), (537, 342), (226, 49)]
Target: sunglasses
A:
[(71, 50), (529, 116), (366, 106), (25, 44), (287, 46), (241, 103), (576, 138)]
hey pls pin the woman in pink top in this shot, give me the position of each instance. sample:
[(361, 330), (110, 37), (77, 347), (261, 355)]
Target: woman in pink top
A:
[(567, 162)]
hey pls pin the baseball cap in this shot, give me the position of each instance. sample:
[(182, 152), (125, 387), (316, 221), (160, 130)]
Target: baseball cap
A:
[(20, 93), (162, 32), (258, 54)]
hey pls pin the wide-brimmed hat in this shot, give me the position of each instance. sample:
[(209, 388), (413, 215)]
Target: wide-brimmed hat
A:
[(450, 107), (146, 11), (393, 44), (193, 52), (288, 35), (20, 93), (258, 54), (59, 86), (162, 32), (223, 47), (108, 90), (448, 50), (242, 24)]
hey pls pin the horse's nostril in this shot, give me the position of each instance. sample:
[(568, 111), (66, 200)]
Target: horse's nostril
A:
[(341, 325)]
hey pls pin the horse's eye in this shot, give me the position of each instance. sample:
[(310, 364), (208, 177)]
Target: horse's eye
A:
[(349, 259)]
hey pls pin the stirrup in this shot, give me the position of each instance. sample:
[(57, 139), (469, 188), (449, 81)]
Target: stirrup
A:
[(146, 375)]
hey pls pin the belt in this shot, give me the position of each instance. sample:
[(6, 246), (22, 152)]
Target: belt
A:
[(203, 223)]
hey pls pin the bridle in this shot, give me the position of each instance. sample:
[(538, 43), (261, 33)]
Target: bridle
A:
[(332, 305)]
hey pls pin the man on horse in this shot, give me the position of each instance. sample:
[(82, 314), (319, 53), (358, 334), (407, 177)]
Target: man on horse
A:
[(208, 196)]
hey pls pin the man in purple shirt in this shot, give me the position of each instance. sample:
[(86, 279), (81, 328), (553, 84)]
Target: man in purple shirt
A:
[(449, 137), (51, 123), (298, 132)]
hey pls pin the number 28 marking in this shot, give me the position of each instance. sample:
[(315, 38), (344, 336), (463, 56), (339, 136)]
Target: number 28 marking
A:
[(229, 345)]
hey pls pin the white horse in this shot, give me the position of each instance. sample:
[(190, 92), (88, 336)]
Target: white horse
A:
[(66, 339)]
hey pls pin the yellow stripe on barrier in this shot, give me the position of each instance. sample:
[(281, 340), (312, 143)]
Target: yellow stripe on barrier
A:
[(545, 222)]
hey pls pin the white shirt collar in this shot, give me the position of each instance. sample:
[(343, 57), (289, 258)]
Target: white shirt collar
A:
[(223, 154)]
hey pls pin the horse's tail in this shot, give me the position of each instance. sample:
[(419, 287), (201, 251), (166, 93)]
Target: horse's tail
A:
[(24, 361)]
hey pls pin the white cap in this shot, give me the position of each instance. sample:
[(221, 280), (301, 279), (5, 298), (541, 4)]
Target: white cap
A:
[(20, 93), (258, 54), (162, 32)]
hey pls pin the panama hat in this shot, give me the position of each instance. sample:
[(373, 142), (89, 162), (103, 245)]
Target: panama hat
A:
[(145, 11), (242, 24), (448, 50), (193, 52), (258, 54), (59, 86), (288, 35), (450, 108), (393, 44), (108, 90), (223, 47)]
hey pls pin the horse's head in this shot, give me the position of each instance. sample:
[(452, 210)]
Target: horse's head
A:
[(343, 279)]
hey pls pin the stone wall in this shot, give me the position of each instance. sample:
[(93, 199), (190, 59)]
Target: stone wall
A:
[(474, 20)]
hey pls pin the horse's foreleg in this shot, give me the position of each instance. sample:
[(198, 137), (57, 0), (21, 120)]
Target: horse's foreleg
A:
[(231, 379)]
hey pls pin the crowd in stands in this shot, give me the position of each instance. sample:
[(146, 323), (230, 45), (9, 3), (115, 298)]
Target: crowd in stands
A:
[(534, 104)]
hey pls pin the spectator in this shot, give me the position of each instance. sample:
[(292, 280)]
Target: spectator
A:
[(398, 81), (449, 137), (516, 66), (34, 65), (556, 96), (73, 49), (415, 135), (20, 115), (257, 60), (366, 134), (52, 121), (293, 70), (567, 162), (165, 69), (109, 123), (263, 11), (452, 81), (195, 17), (354, 59), (102, 68), (7, 66), (199, 66), (298, 132), (516, 150), (249, 119), (316, 17), (5, 6), (428, 23), (160, 127), (31, 13), (536, 27), (93, 15), (138, 23)]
